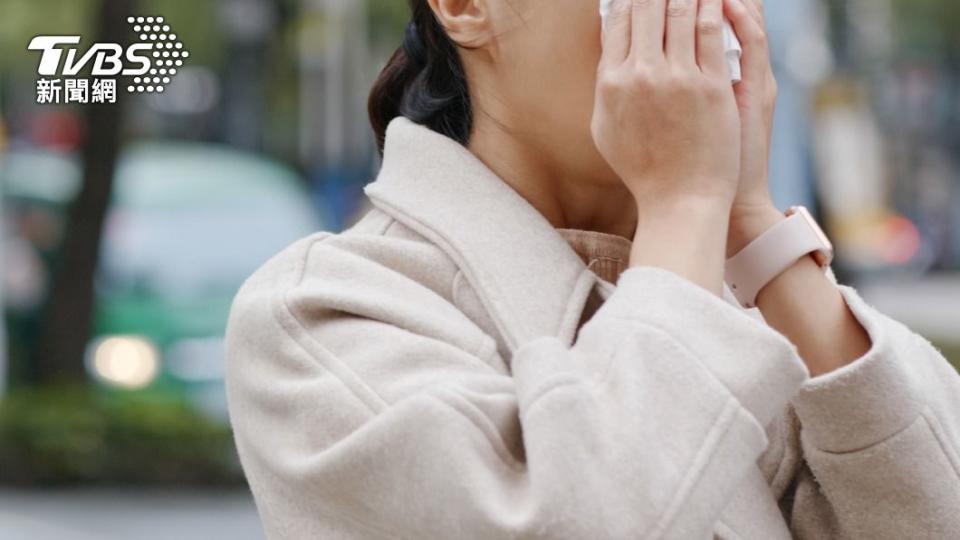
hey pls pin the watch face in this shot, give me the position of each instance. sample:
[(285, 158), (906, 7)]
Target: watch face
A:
[(825, 255)]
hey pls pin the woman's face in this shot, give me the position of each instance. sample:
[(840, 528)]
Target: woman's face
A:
[(539, 76)]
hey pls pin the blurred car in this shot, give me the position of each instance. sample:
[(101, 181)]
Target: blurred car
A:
[(187, 224)]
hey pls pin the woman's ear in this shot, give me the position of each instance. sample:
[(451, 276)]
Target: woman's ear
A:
[(467, 22)]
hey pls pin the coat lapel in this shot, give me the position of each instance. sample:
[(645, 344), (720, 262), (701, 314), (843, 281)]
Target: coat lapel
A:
[(529, 278)]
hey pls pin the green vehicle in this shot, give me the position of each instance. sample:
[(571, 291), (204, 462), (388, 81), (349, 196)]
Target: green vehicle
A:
[(187, 224)]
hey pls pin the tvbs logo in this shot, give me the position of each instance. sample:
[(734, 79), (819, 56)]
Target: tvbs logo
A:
[(150, 64)]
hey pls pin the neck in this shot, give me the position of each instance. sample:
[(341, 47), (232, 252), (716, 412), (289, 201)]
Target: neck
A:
[(566, 199)]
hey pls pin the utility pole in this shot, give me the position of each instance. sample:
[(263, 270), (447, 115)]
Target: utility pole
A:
[(249, 24), (335, 140)]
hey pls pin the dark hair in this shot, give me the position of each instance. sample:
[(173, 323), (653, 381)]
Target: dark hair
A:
[(423, 81)]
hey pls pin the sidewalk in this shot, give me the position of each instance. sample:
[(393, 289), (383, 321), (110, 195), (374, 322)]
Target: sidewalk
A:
[(107, 514)]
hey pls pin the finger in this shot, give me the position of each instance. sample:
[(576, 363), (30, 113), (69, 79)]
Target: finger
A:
[(616, 34), (756, 9), (751, 8), (681, 32), (649, 24), (710, 48), (753, 38)]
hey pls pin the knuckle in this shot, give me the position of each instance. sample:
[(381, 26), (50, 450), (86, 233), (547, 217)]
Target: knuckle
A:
[(596, 128), (620, 11), (774, 89), (709, 26), (609, 83), (641, 69), (679, 8), (760, 39), (714, 91), (639, 7), (681, 81), (641, 78)]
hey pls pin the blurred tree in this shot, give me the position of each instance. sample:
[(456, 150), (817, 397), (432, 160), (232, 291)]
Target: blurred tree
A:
[(387, 19), (68, 315), (23, 19), (929, 28)]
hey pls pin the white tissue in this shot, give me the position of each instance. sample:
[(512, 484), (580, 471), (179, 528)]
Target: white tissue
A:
[(733, 51), (732, 46)]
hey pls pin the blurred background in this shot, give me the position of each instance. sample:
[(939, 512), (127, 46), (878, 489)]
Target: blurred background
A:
[(126, 229)]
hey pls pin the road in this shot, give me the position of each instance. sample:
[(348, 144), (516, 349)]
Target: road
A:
[(104, 514)]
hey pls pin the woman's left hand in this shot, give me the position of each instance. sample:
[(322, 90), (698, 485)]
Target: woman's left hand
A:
[(753, 210)]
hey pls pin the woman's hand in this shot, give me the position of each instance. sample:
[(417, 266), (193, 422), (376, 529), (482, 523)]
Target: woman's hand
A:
[(753, 211), (665, 118), (666, 121)]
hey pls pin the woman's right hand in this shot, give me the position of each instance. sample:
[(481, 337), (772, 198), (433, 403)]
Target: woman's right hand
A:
[(665, 116), (666, 121)]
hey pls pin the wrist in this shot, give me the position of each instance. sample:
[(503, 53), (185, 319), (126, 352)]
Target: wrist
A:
[(684, 216), (685, 236), (653, 206), (746, 225)]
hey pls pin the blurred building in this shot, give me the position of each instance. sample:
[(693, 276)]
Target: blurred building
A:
[(335, 63), (801, 59)]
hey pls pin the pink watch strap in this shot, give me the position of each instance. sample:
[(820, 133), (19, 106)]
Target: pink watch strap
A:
[(750, 270)]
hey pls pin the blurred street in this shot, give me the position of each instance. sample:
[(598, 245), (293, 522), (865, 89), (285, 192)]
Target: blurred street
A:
[(127, 227), (106, 514)]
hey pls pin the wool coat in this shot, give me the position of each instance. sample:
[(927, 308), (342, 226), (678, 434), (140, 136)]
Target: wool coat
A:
[(426, 375)]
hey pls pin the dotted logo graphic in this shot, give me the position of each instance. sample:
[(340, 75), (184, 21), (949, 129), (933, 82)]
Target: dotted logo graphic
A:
[(167, 56)]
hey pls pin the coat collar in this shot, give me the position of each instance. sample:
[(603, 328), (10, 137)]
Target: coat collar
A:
[(530, 280)]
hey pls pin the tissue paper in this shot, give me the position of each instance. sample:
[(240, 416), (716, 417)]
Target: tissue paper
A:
[(732, 47)]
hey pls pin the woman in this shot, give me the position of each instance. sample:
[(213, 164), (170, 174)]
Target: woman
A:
[(529, 335)]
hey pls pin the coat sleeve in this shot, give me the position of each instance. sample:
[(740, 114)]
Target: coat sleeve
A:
[(881, 440), (353, 424)]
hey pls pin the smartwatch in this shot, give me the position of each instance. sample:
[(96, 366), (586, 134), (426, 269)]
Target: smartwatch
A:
[(775, 251)]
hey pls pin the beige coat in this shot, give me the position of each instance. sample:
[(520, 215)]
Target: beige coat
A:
[(421, 376)]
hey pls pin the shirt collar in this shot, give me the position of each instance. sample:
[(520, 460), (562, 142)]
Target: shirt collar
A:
[(529, 278)]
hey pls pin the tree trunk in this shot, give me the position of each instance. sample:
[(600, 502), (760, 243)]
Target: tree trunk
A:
[(68, 315)]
